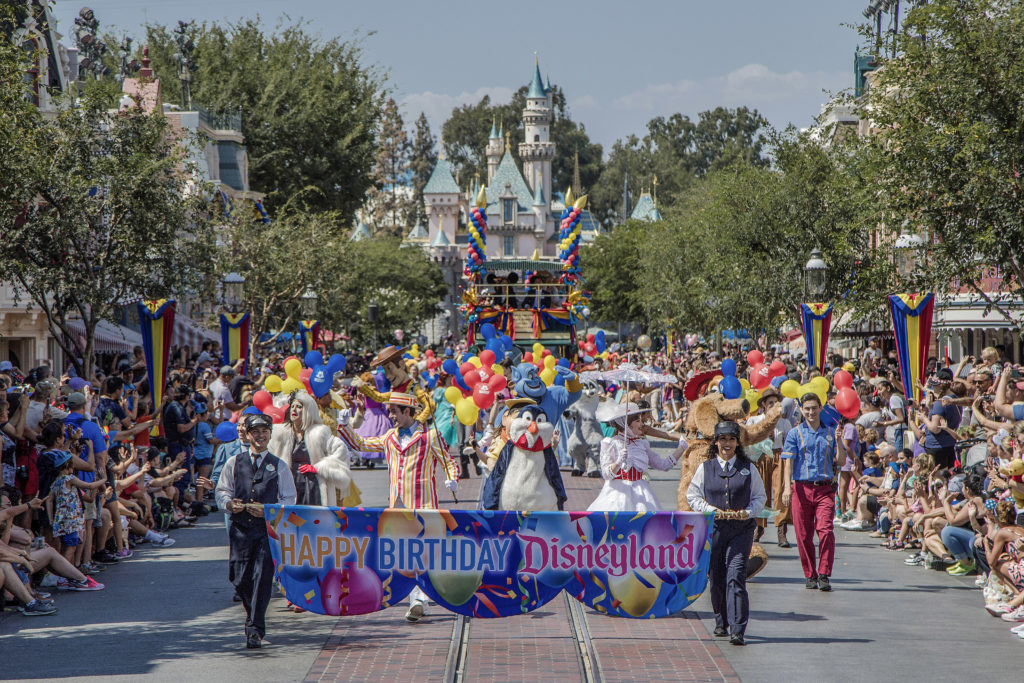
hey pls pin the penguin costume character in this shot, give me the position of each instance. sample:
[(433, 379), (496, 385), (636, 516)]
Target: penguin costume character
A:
[(526, 475)]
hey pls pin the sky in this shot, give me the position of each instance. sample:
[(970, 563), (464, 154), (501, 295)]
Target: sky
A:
[(619, 63)]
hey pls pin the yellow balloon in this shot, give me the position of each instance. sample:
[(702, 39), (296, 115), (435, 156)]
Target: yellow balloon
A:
[(550, 362), (538, 351), (820, 384), (452, 395), (292, 368), (744, 383), (273, 384), (604, 354), (498, 370), (548, 376), (790, 388), (752, 396), (810, 388), (466, 411), (475, 360), (291, 384)]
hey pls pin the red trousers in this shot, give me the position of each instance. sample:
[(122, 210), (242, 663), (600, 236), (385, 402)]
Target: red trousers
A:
[(813, 508)]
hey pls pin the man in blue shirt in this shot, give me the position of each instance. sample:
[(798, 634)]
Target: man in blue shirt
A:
[(810, 457), (937, 441), (1007, 392)]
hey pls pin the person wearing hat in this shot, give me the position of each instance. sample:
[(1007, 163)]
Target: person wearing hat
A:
[(625, 457), (412, 451), (770, 467), (938, 441), (729, 485), (220, 389), (251, 479), (390, 359)]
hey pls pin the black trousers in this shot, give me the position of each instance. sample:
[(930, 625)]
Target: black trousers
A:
[(730, 546), (251, 570)]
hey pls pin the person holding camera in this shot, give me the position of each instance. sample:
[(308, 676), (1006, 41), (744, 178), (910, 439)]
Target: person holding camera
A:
[(251, 479)]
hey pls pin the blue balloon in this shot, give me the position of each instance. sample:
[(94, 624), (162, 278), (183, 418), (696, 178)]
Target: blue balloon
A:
[(730, 387), (226, 432), (431, 380), (321, 380), (487, 331), (729, 367), (336, 363), (313, 359), (563, 362), (494, 344), (599, 341), (777, 381), (506, 342), (252, 410), (450, 367)]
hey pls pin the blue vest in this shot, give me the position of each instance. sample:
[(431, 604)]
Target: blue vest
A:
[(727, 492)]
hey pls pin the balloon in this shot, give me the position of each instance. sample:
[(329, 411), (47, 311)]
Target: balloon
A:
[(729, 367), (744, 383), (262, 400), (599, 341), (755, 357), (469, 374), (487, 358), (497, 382), (275, 413), (548, 376), (538, 349), (752, 396), (320, 381), (820, 384), (545, 353), (304, 378), (550, 362), (475, 360), (291, 384), (644, 342), (487, 331), (528, 357), (590, 348), (466, 411), (506, 342), (759, 376), (564, 363), (730, 387), (452, 394), (790, 388), (336, 363), (313, 359), (591, 337), (848, 403), (498, 370), (777, 368), (429, 353), (483, 397), (450, 367), (273, 384), (292, 368), (843, 380), (810, 388)]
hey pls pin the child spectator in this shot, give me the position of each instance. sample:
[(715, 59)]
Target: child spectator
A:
[(68, 518)]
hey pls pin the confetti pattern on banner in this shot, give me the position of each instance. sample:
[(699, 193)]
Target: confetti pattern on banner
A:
[(491, 564)]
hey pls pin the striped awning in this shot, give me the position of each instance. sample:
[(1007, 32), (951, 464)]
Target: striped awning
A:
[(109, 337), (523, 264), (188, 332)]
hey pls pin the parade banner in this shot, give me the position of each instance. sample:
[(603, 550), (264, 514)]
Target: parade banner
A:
[(816, 321), (234, 339), (912, 328), (309, 335), (480, 563), (156, 321)]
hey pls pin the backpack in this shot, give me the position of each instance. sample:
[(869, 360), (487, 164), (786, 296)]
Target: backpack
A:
[(163, 513)]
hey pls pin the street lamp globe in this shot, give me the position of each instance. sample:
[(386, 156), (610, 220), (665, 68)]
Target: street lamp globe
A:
[(905, 250), (308, 303), (233, 284), (815, 274), (585, 312)]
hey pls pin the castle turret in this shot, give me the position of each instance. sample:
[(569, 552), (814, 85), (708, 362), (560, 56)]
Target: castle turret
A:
[(495, 150), (537, 151)]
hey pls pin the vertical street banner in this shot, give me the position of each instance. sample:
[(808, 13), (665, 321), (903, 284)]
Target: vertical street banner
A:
[(912, 328), (309, 335), (234, 339), (478, 563), (816, 321), (156, 320)]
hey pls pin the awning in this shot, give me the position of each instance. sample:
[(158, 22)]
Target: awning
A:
[(109, 337), (188, 332), (959, 313), (522, 265)]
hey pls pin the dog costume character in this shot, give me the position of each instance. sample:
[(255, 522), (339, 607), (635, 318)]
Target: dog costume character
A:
[(706, 412), (390, 359), (585, 439), (526, 475)]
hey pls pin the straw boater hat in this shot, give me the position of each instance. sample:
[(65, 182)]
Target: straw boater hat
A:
[(614, 412), (387, 354), (400, 399)]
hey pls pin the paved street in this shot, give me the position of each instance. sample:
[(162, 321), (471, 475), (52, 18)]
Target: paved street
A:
[(168, 615)]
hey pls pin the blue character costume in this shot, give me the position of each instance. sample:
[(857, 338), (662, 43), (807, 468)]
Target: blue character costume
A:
[(553, 400)]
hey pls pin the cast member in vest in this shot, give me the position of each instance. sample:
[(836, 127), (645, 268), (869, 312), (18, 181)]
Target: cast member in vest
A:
[(624, 459), (412, 451), (317, 459), (729, 485), (250, 480)]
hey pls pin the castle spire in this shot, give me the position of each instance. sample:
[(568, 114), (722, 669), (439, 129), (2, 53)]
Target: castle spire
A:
[(494, 130), (537, 90), (576, 172)]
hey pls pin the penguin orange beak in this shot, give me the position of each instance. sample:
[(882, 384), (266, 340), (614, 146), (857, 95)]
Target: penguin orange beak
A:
[(532, 428)]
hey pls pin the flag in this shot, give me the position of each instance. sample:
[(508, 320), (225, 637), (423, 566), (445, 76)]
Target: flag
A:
[(912, 327), (156, 318), (234, 339), (309, 335), (816, 321)]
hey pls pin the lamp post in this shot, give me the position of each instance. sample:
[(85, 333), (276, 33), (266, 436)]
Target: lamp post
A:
[(308, 303), (905, 252), (586, 320), (815, 275), (232, 286), (372, 312)]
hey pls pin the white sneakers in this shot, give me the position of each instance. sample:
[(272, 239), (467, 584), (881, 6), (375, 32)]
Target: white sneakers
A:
[(857, 525)]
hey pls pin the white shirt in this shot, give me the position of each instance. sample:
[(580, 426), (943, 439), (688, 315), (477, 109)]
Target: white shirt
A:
[(221, 392), (695, 493), (34, 414), (226, 484)]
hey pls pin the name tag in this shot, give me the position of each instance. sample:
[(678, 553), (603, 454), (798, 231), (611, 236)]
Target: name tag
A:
[(745, 471)]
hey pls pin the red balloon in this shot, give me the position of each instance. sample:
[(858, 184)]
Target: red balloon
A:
[(777, 368), (469, 374), (262, 400), (483, 397), (275, 413), (547, 352), (591, 338), (590, 348), (487, 358), (755, 357), (759, 377), (429, 353), (528, 357), (843, 380), (497, 383), (848, 403)]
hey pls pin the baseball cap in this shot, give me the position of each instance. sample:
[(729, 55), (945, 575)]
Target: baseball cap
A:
[(6, 365), (75, 400), (227, 370), (77, 383), (944, 375), (60, 458)]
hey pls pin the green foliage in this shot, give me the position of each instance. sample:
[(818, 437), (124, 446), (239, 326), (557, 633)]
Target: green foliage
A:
[(310, 107), (422, 159), (390, 204), (610, 267)]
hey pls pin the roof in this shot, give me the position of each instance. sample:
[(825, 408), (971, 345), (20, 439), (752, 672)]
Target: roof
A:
[(538, 197), (418, 233), (523, 264), (362, 232), (645, 209), (537, 90), (508, 173), (441, 180), (440, 240), (494, 131)]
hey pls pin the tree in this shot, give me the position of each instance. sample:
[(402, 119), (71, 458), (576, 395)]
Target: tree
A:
[(310, 108), (422, 159), (610, 267), (389, 199), (947, 150), (105, 210)]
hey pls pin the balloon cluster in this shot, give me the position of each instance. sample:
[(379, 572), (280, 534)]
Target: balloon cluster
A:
[(760, 374), (477, 382), (818, 386), (546, 364), (847, 400), (316, 379), (498, 345), (729, 386), (595, 345), (569, 246), (476, 253)]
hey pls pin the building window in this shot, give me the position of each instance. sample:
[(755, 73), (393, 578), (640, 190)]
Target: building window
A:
[(508, 210), (31, 48), (536, 138), (510, 245)]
